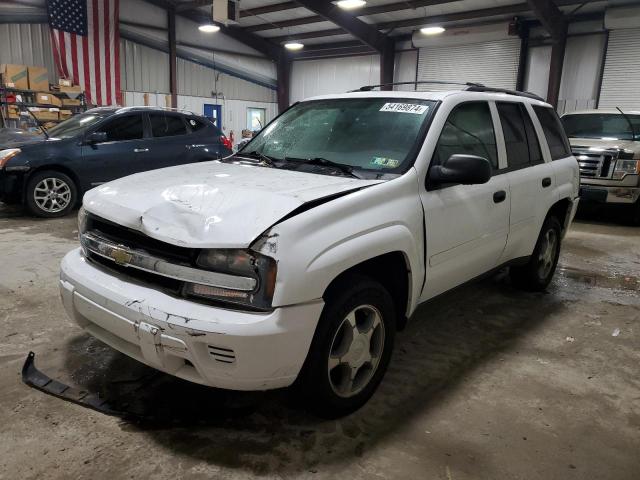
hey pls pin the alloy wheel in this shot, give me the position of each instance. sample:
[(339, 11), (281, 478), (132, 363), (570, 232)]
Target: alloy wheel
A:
[(52, 195), (356, 350), (547, 255)]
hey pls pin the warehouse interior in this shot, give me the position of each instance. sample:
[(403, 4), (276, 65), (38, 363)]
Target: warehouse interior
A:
[(486, 380)]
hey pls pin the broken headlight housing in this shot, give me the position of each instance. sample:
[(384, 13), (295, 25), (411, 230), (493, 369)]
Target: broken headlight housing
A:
[(242, 263), (626, 167)]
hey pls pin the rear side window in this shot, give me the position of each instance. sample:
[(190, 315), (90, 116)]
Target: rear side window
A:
[(468, 130), (553, 131), (124, 128), (196, 124), (520, 137), (166, 125)]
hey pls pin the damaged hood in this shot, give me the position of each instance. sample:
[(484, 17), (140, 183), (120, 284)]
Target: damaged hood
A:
[(211, 204)]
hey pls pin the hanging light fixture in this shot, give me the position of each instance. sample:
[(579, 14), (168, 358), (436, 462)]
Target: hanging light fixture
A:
[(294, 46), (432, 30), (351, 4), (209, 26)]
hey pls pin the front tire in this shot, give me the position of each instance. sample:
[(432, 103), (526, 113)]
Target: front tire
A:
[(537, 273), (351, 348), (51, 194)]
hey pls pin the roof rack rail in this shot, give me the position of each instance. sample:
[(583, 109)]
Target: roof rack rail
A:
[(482, 88), (151, 107), (368, 88)]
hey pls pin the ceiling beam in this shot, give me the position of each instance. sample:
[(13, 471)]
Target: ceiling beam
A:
[(414, 22), (550, 17), (364, 32), (260, 44), (362, 12), (278, 7), (183, 6)]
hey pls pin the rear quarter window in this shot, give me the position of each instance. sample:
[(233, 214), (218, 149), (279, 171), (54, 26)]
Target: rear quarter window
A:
[(553, 132)]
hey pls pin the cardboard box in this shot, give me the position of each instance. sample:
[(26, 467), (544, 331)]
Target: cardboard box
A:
[(13, 112), (64, 114), (48, 98), (63, 82), (38, 78), (15, 76), (45, 114), (71, 102), (74, 90)]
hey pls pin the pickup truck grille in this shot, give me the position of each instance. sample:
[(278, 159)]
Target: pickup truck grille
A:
[(595, 164)]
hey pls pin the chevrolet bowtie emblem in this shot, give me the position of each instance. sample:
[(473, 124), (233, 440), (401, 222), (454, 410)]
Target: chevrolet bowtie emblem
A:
[(120, 256)]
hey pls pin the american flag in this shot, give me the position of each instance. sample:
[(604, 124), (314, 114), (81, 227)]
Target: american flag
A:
[(86, 46)]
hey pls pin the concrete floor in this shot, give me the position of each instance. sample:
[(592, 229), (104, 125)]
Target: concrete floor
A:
[(487, 382)]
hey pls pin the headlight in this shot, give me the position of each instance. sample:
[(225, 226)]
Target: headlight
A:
[(244, 263), (8, 154), (625, 167), (83, 219)]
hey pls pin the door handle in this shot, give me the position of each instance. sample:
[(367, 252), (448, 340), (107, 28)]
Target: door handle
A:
[(140, 150), (546, 181), (499, 196)]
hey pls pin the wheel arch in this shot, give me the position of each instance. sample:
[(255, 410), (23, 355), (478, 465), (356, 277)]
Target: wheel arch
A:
[(392, 270), (56, 168), (562, 211)]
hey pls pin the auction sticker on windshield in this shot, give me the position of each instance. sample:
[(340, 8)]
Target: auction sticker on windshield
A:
[(405, 108)]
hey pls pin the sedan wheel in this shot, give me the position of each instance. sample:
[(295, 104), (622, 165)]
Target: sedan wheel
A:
[(52, 195)]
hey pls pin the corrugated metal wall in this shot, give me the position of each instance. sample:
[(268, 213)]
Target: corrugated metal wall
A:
[(493, 63), (198, 80), (621, 79), (143, 69), (27, 44), (336, 75)]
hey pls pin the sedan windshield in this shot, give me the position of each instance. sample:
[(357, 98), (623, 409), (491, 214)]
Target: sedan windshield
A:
[(606, 126), (76, 125), (378, 134)]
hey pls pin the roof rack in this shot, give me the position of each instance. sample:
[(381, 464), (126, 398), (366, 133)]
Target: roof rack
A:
[(368, 88), (470, 87), (482, 88), (151, 107)]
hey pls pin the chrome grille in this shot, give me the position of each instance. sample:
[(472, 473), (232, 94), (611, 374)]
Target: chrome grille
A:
[(595, 164)]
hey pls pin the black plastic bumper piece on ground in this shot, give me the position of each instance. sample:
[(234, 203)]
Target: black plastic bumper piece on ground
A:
[(35, 378)]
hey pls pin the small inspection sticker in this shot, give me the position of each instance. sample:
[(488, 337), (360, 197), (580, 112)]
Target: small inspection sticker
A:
[(414, 108)]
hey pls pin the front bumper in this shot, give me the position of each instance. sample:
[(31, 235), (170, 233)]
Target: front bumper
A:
[(204, 344), (606, 194), (10, 186)]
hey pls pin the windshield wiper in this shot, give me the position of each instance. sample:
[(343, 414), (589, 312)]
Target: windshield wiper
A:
[(323, 162), (259, 156)]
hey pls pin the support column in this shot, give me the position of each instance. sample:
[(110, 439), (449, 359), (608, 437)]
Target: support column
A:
[(387, 63), (283, 67), (171, 23), (555, 69)]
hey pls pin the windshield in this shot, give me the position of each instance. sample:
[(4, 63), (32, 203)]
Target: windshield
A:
[(606, 126), (378, 134), (76, 125)]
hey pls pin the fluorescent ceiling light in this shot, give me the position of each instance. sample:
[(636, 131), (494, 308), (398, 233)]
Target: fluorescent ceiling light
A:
[(432, 30), (351, 4), (293, 45), (209, 28)]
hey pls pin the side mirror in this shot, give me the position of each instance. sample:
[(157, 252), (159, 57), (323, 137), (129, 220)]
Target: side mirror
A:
[(97, 137), (464, 169)]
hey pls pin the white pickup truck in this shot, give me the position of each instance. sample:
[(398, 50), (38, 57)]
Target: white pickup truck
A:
[(295, 261)]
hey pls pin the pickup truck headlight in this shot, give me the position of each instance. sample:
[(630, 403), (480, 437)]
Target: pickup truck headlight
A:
[(244, 263), (625, 167), (8, 154)]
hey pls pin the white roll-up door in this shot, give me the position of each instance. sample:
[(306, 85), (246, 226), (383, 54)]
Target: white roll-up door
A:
[(493, 63), (621, 77)]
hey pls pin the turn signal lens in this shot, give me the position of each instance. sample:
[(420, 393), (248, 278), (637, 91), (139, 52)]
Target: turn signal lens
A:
[(8, 154)]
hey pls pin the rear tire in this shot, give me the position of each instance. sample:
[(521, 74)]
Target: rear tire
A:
[(51, 194), (537, 273), (351, 348)]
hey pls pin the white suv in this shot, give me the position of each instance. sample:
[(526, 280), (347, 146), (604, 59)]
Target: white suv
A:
[(297, 259)]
